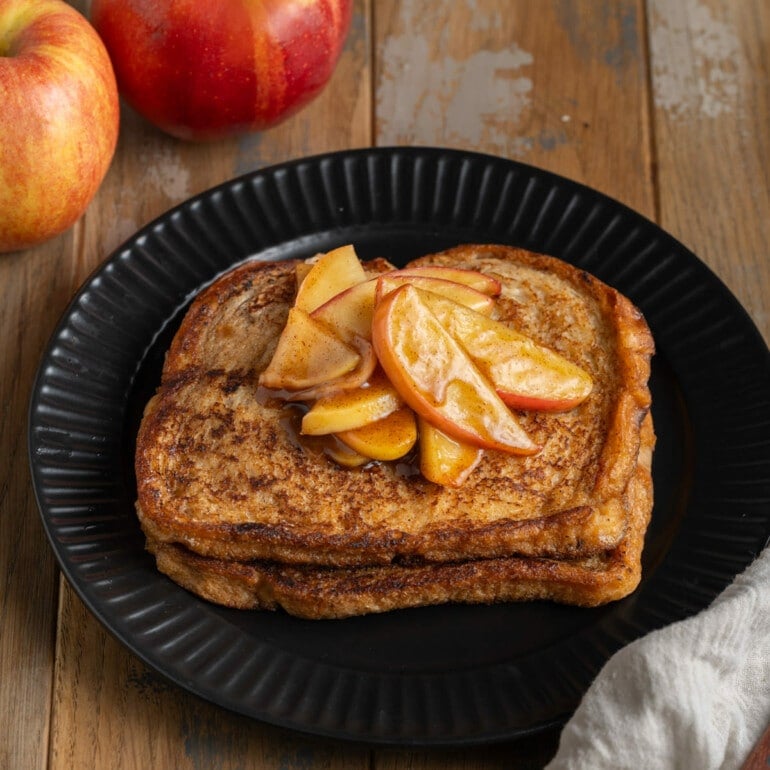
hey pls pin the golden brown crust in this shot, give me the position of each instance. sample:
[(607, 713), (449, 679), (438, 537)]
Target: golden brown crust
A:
[(233, 324), (321, 592), (219, 472)]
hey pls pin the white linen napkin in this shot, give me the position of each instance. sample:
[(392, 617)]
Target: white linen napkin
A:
[(695, 694)]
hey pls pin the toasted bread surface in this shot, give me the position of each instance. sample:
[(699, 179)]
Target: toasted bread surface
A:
[(221, 470), (336, 592)]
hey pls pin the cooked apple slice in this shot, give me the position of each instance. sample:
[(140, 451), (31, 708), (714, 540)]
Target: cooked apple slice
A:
[(342, 454), (309, 354), (332, 273), (301, 270), (387, 439), (435, 376), (350, 409), (525, 374), (443, 460), (458, 292), (353, 380), (486, 284), (349, 313)]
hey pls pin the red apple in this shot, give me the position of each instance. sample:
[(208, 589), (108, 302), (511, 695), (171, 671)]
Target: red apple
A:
[(58, 119), (203, 69)]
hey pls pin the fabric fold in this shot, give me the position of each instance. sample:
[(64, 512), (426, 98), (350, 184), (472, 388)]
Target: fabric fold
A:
[(693, 694)]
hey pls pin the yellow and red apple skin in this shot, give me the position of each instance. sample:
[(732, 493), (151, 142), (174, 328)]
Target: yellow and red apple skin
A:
[(461, 293), (434, 376), (473, 278), (350, 312), (205, 69), (59, 118), (537, 403), (333, 273), (525, 374)]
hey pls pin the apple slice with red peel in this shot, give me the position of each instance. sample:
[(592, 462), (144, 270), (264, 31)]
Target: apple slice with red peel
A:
[(349, 313), (310, 360), (435, 376), (444, 460), (330, 274), (350, 409), (525, 374), (458, 292), (353, 380), (307, 354), (482, 282), (386, 439)]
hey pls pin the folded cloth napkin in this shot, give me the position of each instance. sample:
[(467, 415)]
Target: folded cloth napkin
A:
[(695, 694)]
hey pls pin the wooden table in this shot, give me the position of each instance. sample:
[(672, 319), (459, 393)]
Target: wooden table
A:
[(662, 104)]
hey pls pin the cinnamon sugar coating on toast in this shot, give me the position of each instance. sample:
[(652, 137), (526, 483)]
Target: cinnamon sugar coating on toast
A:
[(222, 476)]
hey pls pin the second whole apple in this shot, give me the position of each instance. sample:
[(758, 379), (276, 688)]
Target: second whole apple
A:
[(208, 69)]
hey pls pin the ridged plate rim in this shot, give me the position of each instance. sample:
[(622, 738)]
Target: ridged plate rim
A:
[(411, 196)]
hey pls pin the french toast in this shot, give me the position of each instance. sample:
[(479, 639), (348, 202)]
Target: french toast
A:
[(315, 592), (222, 472)]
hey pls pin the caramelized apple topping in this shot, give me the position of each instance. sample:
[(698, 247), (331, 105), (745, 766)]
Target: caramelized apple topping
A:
[(413, 358)]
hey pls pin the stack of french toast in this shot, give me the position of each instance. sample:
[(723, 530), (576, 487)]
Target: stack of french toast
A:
[(335, 437)]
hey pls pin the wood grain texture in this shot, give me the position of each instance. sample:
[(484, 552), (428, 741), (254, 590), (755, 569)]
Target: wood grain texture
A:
[(662, 104), (711, 92), (35, 286), (113, 712), (559, 84)]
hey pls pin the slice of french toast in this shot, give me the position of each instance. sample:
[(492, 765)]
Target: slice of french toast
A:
[(315, 592), (221, 469)]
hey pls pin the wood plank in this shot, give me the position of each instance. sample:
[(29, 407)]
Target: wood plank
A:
[(710, 75), (109, 710), (35, 285), (560, 85), (112, 711)]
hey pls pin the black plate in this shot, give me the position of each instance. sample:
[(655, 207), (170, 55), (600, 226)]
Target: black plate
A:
[(434, 676)]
